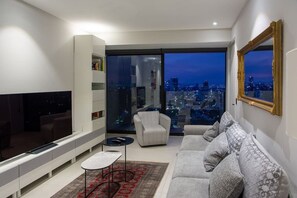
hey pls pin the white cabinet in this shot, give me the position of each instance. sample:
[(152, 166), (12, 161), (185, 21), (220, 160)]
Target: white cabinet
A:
[(90, 83)]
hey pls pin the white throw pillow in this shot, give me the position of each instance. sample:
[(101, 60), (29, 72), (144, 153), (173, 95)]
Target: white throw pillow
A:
[(235, 135), (263, 176)]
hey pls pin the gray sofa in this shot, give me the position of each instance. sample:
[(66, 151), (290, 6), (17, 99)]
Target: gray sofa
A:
[(190, 178)]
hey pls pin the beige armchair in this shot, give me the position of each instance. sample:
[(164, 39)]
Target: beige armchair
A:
[(152, 128)]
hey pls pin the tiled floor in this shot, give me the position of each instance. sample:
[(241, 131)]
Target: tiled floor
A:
[(47, 187)]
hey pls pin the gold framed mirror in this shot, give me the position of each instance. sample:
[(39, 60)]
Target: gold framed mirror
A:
[(260, 70)]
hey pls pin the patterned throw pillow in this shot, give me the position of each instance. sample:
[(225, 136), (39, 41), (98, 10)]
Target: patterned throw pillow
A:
[(226, 180), (212, 133), (263, 176), (226, 121), (235, 135), (215, 152)]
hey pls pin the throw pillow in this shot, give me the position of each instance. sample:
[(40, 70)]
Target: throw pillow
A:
[(226, 121), (263, 176), (235, 136), (211, 133), (215, 152), (226, 180)]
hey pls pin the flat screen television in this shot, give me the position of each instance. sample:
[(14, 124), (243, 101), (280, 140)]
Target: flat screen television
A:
[(28, 121)]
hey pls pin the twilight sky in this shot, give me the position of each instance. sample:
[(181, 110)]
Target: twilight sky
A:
[(193, 68), (259, 65)]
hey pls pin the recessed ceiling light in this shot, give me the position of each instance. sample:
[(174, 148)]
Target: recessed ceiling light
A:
[(214, 23)]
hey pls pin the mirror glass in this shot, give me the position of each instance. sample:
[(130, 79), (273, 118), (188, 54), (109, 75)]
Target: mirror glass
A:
[(258, 72)]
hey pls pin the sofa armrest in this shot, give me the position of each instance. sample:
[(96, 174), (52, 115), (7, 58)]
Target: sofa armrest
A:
[(195, 129)]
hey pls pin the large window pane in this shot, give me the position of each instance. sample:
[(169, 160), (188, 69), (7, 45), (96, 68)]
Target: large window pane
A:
[(195, 88), (133, 85)]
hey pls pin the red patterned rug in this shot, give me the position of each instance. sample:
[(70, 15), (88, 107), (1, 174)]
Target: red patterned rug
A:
[(143, 183)]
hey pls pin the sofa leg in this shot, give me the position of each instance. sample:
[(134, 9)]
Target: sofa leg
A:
[(73, 160), (14, 195), (90, 150)]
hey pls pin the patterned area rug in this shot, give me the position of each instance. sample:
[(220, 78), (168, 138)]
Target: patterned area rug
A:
[(143, 183)]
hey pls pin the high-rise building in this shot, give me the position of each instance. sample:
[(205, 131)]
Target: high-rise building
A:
[(173, 84)]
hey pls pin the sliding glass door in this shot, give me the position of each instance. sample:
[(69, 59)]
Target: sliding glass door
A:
[(195, 87), (188, 86), (133, 85)]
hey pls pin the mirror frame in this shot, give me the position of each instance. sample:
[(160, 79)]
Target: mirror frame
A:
[(274, 31)]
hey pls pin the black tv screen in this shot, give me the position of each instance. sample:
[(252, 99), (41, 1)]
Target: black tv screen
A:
[(30, 120)]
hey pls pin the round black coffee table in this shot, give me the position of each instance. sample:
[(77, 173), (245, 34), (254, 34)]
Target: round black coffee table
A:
[(120, 141)]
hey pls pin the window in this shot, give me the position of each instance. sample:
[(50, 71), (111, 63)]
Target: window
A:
[(187, 86), (195, 88), (133, 85)]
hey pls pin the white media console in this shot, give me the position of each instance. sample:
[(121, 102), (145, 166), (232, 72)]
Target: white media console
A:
[(19, 173)]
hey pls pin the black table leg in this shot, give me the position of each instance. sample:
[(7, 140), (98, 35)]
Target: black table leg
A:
[(108, 181), (112, 172), (85, 183)]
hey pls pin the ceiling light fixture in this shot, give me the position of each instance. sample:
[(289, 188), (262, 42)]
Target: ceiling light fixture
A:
[(214, 23)]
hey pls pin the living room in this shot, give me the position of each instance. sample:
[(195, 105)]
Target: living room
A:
[(38, 55)]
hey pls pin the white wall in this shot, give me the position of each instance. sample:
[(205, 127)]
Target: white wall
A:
[(36, 50), (271, 130), (167, 39)]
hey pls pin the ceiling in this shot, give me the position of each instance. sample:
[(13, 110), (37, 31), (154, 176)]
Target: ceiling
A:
[(99, 16)]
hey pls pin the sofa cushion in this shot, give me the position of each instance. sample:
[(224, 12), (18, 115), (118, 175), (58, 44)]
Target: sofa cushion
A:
[(215, 152), (149, 118), (194, 142), (212, 132), (226, 121), (190, 164), (235, 135), (183, 187), (226, 180), (263, 176)]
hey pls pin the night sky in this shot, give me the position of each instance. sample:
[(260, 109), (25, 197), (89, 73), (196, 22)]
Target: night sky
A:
[(193, 68), (259, 65)]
